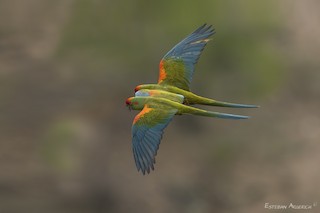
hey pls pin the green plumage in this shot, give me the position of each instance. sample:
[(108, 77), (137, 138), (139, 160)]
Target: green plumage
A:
[(171, 96), (175, 74), (164, 104)]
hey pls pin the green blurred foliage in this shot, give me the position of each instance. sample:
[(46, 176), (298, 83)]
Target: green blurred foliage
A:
[(244, 47), (58, 146)]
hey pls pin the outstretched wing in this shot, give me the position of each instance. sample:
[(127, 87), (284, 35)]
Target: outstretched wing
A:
[(177, 66), (147, 130)]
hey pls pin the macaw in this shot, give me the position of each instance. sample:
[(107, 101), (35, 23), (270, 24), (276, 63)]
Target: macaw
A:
[(171, 96), (177, 68), (156, 113)]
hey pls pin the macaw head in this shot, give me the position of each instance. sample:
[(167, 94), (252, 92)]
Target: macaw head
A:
[(137, 88), (136, 103), (146, 86)]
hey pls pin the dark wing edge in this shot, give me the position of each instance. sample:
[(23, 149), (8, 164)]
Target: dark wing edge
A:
[(147, 133), (188, 52)]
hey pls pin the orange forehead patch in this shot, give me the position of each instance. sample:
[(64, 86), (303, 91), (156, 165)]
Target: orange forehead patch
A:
[(145, 110)]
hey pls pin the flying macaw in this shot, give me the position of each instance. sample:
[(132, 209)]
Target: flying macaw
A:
[(156, 113), (177, 68), (171, 96)]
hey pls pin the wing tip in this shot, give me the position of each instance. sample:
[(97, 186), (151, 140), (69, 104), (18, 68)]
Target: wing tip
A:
[(147, 170), (144, 161), (205, 28)]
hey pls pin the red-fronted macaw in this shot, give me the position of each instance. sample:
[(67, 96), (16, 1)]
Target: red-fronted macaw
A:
[(160, 102), (177, 67), (156, 113)]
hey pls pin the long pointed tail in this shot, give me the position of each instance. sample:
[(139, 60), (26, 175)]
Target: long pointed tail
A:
[(226, 115), (196, 111), (195, 99), (227, 104)]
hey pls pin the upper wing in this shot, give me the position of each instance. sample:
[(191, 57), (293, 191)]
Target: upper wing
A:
[(177, 66), (147, 130)]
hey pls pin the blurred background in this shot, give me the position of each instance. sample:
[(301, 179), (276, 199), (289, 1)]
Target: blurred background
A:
[(66, 68)]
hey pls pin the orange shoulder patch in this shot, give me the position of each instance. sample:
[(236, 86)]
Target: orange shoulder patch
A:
[(162, 72), (144, 111)]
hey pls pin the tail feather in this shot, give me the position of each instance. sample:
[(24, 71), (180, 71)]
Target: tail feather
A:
[(232, 105), (196, 111), (212, 102), (227, 116)]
